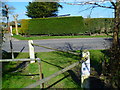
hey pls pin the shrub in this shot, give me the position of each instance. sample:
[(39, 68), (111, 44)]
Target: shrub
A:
[(19, 30), (24, 26), (98, 25)]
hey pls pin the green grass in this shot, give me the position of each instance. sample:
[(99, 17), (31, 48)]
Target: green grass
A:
[(56, 37), (51, 63), (97, 56)]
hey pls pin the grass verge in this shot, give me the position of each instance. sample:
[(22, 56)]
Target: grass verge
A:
[(55, 37), (51, 63)]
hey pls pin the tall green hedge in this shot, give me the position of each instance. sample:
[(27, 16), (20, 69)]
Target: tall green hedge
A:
[(66, 25), (94, 25), (54, 26)]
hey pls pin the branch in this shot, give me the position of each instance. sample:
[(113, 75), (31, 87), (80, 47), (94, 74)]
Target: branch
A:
[(92, 3), (88, 8), (103, 6), (114, 5), (91, 10)]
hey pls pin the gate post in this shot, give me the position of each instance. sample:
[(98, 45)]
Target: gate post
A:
[(85, 69), (31, 51)]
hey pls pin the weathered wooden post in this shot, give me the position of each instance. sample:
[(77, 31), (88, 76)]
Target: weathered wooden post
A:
[(85, 69), (31, 51), (40, 71), (11, 31)]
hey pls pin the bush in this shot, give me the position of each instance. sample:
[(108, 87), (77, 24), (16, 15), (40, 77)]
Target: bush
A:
[(54, 26), (19, 30), (98, 25), (112, 66), (24, 26)]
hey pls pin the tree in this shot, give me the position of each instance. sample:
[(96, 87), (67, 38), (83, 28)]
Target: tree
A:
[(42, 9), (112, 66), (16, 23)]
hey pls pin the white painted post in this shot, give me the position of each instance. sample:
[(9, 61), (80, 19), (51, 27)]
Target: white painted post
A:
[(31, 51), (11, 31), (85, 69)]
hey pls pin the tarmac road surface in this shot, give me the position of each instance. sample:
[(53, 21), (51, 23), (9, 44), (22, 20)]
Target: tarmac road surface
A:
[(62, 44)]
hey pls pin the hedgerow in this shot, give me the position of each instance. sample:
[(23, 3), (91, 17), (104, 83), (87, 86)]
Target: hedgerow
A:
[(66, 25), (54, 26)]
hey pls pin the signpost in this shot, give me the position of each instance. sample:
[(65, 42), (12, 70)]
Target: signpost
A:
[(5, 14), (11, 30), (85, 69)]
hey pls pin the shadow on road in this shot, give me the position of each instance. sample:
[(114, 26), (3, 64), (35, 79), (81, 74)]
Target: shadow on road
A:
[(69, 47)]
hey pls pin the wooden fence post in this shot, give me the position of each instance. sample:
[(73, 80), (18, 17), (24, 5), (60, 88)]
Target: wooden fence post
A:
[(40, 71), (31, 51), (85, 69)]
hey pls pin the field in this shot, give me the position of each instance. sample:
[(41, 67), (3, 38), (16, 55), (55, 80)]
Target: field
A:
[(16, 77)]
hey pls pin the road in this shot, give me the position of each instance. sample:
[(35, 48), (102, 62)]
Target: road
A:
[(63, 44)]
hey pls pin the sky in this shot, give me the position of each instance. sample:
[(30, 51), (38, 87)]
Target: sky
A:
[(73, 10)]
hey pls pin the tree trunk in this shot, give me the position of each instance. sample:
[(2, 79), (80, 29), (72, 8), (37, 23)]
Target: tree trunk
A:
[(117, 23), (16, 26)]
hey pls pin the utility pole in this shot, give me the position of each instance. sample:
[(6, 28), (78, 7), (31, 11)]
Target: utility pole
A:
[(16, 25)]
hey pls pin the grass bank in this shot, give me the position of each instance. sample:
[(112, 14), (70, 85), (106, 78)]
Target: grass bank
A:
[(51, 63), (55, 37)]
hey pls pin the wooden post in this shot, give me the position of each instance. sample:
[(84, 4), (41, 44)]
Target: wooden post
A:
[(31, 51), (11, 47), (40, 71), (15, 60), (85, 69), (11, 31), (53, 75)]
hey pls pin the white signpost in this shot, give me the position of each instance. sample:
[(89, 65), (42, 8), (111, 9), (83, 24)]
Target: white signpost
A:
[(31, 50), (11, 31), (85, 69)]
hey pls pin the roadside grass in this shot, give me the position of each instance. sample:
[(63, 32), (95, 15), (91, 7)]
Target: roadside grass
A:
[(97, 57), (51, 63), (56, 37)]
